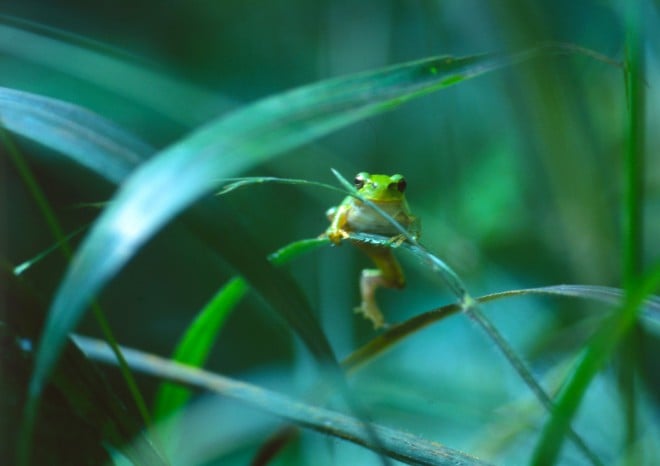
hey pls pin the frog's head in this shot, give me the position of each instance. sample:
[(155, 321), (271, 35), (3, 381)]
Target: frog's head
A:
[(381, 188)]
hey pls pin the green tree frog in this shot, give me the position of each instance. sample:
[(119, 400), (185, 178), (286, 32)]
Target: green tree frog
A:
[(353, 215)]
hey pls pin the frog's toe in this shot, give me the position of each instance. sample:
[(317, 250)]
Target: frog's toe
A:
[(371, 312), (336, 236), (397, 240)]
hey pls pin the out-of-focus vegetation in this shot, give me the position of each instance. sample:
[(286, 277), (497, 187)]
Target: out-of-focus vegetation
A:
[(539, 173)]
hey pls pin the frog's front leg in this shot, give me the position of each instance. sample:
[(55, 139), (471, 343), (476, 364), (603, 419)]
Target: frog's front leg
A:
[(387, 275), (338, 217), (414, 230)]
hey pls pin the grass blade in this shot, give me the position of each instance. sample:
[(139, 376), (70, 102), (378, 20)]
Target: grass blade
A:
[(198, 340), (470, 307), (598, 351), (633, 241), (63, 244), (602, 344), (632, 246), (107, 68), (395, 444), (83, 136), (396, 333)]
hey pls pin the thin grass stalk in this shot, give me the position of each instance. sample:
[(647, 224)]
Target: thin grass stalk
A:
[(394, 444), (63, 245), (596, 354), (633, 239)]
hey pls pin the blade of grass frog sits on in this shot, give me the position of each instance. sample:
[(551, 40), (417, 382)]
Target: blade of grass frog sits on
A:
[(353, 215)]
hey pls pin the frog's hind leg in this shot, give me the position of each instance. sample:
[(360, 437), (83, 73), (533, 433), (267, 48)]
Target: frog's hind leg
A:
[(370, 280), (387, 275)]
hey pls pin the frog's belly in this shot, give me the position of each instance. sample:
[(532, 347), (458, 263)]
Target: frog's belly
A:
[(364, 219)]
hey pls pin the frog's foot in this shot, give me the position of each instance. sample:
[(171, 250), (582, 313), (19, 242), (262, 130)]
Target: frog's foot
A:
[(371, 312), (336, 235), (370, 280), (396, 241)]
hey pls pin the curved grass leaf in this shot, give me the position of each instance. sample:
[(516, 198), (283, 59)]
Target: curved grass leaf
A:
[(277, 289), (77, 391), (198, 340), (395, 334), (109, 69), (632, 200), (395, 444), (25, 265), (598, 351), (51, 220), (470, 307), (87, 138), (193, 167)]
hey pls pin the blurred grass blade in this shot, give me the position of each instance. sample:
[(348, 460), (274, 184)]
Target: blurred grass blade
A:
[(191, 168), (617, 328), (109, 69), (231, 184), (633, 208), (78, 394), (633, 166), (25, 265), (197, 343), (54, 225), (396, 333), (606, 294), (470, 307), (395, 444), (198, 340), (87, 138), (600, 347)]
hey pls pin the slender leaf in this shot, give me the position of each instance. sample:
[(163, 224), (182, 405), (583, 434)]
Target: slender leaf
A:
[(87, 138), (633, 199), (109, 69), (198, 340), (598, 351), (470, 307), (25, 265), (54, 225), (397, 333), (632, 244), (395, 444)]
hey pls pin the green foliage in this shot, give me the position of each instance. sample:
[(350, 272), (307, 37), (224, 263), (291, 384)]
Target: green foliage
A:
[(197, 342), (198, 163), (539, 172)]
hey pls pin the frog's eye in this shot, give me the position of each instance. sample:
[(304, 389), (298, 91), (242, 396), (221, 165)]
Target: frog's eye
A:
[(400, 183), (360, 180)]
